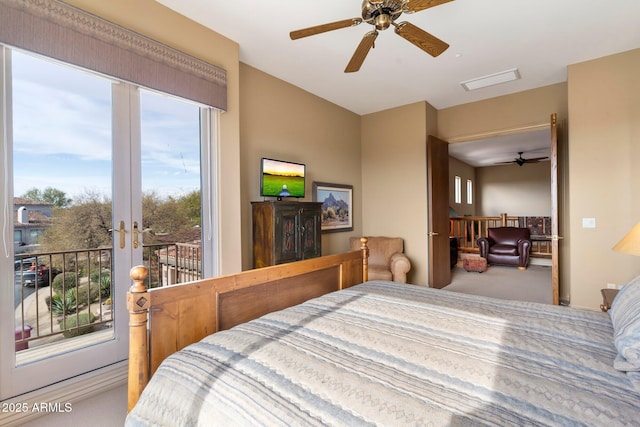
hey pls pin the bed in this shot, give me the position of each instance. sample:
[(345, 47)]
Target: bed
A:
[(380, 353)]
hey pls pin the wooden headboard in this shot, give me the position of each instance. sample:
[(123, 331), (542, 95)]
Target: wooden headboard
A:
[(164, 320)]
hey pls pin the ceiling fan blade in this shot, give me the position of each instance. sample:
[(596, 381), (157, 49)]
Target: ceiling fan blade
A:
[(521, 160), (418, 5), (318, 29), (419, 37), (535, 159), (361, 52)]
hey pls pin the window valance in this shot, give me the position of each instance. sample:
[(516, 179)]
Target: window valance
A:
[(58, 30)]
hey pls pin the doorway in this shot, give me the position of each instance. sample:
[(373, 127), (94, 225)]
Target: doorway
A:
[(495, 161)]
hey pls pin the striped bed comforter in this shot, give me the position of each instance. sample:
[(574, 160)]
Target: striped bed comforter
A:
[(391, 354)]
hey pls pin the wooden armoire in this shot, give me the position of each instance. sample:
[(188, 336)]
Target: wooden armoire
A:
[(285, 231)]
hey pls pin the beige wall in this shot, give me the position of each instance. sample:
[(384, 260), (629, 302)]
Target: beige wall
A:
[(394, 179), (515, 190), (465, 172), (505, 113), (281, 121), (604, 177), (162, 24)]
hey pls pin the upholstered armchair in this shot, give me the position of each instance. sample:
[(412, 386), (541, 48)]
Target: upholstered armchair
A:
[(506, 246), (387, 260)]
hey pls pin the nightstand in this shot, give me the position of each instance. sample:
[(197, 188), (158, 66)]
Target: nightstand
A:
[(607, 298)]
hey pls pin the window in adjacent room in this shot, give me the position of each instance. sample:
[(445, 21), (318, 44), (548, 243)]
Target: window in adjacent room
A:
[(458, 189), (469, 192)]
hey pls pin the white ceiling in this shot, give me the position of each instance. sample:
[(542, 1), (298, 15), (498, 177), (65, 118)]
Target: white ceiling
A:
[(499, 149), (538, 37)]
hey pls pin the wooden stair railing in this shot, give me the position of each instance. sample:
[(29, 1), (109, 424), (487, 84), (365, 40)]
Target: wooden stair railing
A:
[(467, 230)]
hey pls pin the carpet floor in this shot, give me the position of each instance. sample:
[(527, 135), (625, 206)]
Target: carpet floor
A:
[(533, 284)]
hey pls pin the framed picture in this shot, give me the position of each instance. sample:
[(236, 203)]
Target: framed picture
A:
[(337, 205)]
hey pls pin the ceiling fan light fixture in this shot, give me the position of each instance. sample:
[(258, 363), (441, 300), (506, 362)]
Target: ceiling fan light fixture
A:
[(491, 79), (383, 21)]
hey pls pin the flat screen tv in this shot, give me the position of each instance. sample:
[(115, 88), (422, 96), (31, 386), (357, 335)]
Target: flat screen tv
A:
[(279, 178)]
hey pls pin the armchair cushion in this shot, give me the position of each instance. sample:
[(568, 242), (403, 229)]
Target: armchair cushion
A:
[(387, 260), (506, 246), (504, 249)]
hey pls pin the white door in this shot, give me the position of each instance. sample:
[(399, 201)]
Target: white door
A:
[(99, 176)]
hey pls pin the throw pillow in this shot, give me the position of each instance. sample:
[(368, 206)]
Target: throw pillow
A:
[(625, 318)]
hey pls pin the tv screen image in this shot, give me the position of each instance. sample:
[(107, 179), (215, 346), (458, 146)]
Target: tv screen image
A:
[(281, 178)]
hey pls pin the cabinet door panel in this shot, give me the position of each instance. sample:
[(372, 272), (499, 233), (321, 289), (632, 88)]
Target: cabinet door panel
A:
[(286, 232), (310, 238)]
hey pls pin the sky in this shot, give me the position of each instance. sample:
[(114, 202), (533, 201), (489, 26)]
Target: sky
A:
[(62, 133)]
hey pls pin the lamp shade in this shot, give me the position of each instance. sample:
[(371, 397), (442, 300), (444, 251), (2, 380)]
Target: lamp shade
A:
[(630, 244)]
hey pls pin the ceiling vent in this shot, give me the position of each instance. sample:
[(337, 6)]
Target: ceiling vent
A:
[(491, 79)]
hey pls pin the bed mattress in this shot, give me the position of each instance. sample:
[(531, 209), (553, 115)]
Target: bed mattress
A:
[(383, 353)]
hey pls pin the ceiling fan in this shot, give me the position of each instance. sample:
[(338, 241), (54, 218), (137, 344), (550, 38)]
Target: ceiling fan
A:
[(382, 14), (521, 160)]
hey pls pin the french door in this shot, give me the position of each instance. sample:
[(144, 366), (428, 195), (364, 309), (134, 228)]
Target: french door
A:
[(101, 176)]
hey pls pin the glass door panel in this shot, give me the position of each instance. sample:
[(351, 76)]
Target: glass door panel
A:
[(62, 181), (171, 189)]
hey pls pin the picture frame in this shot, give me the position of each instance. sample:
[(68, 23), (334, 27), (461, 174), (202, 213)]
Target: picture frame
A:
[(337, 206)]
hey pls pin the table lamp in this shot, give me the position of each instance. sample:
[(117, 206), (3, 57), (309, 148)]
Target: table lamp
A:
[(630, 244)]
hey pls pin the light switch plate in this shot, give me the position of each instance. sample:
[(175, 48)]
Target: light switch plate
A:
[(588, 223)]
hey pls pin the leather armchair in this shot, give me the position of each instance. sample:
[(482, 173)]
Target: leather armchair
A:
[(387, 260), (506, 246), (453, 251)]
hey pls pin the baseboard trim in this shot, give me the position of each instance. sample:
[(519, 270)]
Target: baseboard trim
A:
[(70, 391)]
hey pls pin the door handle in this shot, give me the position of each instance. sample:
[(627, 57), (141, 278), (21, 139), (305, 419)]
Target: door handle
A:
[(136, 233), (432, 233), (121, 231)]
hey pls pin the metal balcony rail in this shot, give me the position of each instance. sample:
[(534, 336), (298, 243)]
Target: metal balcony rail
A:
[(64, 294), (169, 264)]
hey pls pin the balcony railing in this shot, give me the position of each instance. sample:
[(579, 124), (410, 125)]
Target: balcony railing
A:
[(169, 264), (64, 294), (61, 295)]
